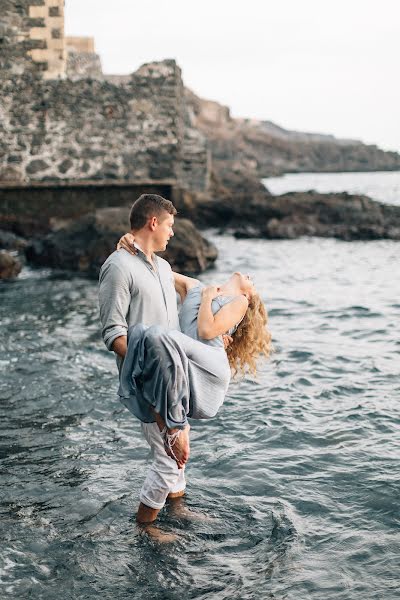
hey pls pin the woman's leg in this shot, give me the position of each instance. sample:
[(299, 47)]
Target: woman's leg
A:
[(165, 378), (185, 377), (209, 375), (166, 386), (169, 374)]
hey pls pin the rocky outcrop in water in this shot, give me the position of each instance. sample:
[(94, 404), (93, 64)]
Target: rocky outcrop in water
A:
[(258, 215), (10, 241), (188, 251), (10, 266), (84, 244)]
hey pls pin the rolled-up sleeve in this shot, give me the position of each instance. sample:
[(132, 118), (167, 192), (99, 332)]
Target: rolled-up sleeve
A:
[(114, 300)]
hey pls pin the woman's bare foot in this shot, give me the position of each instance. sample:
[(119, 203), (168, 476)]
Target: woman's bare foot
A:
[(176, 441), (176, 444)]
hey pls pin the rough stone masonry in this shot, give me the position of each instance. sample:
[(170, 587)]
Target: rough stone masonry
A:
[(56, 129)]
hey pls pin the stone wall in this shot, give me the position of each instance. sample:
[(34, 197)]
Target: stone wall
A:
[(16, 44), (94, 130), (80, 44), (85, 129), (81, 65), (82, 60), (41, 208)]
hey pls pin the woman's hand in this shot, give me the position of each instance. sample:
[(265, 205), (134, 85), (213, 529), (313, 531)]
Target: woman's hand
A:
[(126, 242), (227, 339), (210, 292)]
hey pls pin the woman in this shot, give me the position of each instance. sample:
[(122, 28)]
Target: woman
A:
[(168, 376)]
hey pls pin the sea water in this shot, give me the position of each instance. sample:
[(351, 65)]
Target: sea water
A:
[(383, 186), (298, 475)]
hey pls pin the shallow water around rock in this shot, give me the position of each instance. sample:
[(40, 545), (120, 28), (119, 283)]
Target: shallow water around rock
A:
[(298, 475)]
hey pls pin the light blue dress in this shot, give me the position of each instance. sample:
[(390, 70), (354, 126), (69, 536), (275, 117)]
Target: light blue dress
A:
[(175, 373)]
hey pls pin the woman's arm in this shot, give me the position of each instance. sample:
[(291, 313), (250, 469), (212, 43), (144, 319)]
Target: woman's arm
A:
[(183, 284), (210, 326)]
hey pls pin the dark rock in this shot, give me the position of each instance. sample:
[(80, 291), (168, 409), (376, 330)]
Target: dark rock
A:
[(54, 11), (10, 241), (13, 158), (84, 245), (10, 266), (188, 251), (37, 165), (248, 211), (65, 165), (10, 173)]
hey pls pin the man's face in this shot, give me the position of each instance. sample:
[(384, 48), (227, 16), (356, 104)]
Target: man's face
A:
[(163, 231)]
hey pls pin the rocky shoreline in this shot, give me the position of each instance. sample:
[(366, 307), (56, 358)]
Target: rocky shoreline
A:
[(82, 244), (255, 213), (77, 147)]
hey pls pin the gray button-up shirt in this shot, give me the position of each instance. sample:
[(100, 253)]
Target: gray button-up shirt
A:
[(132, 291)]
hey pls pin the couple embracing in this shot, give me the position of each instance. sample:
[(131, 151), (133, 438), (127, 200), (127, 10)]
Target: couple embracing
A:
[(173, 366)]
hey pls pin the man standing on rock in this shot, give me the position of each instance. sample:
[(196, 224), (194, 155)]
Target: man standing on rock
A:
[(140, 289)]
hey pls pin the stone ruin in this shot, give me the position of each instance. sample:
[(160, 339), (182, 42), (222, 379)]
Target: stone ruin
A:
[(67, 131), (82, 60)]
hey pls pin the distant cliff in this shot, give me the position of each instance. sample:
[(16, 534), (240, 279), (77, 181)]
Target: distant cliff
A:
[(265, 149)]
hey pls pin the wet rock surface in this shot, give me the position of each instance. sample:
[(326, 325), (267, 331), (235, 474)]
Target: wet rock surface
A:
[(84, 244), (11, 241), (254, 213), (10, 265), (237, 205), (188, 251)]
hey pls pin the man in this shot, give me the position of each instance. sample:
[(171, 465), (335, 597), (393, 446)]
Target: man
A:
[(140, 289)]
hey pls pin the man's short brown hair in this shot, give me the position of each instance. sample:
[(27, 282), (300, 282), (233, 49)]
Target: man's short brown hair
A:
[(147, 206)]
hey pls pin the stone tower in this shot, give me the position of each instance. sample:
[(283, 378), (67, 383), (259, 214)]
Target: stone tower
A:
[(50, 29), (32, 38)]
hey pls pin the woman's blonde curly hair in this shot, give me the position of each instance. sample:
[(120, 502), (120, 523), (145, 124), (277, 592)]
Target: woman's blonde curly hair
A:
[(251, 339)]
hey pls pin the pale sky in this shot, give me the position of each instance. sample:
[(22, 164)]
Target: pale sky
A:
[(328, 66)]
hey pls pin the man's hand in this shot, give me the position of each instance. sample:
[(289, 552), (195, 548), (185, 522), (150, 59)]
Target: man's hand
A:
[(126, 242), (227, 339)]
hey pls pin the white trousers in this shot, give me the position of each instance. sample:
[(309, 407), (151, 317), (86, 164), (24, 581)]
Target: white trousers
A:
[(163, 477)]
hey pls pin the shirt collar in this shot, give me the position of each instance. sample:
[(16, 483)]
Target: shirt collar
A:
[(143, 254), (137, 247)]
